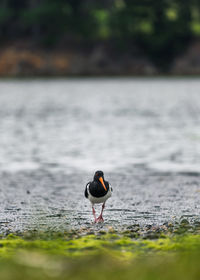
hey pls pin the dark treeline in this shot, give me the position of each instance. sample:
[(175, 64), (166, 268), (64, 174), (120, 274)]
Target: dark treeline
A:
[(159, 28)]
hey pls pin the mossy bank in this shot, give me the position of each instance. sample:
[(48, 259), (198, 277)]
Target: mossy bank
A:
[(101, 255)]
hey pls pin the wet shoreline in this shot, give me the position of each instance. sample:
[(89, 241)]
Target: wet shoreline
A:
[(55, 201)]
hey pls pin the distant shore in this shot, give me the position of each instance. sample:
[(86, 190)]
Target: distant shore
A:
[(20, 59)]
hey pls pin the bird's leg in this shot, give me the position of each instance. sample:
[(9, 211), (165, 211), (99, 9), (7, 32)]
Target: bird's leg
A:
[(94, 214), (100, 218)]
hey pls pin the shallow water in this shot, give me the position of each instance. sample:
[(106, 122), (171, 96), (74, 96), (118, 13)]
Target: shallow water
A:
[(144, 134)]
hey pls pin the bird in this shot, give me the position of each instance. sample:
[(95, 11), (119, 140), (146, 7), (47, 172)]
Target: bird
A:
[(98, 191)]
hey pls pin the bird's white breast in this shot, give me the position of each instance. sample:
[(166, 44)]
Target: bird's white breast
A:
[(96, 200)]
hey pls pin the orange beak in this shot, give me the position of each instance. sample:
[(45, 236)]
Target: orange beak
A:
[(102, 182)]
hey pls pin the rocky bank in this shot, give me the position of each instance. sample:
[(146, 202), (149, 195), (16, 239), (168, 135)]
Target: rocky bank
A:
[(21, 59)]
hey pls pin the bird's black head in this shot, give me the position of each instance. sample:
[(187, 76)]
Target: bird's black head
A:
[(99, 177), (98, 174)]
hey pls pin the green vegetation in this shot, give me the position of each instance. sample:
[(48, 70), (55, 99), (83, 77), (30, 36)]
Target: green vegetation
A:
[(118, 246), (161, 29), (104, 255)]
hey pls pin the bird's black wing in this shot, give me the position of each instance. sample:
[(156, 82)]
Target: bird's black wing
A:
[(86, 191), (108, 186)]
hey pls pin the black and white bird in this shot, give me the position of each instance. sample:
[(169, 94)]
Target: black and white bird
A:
[(98, 191)]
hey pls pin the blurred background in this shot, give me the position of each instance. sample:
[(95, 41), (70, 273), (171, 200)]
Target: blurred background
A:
[(57, 127), (91, 37)]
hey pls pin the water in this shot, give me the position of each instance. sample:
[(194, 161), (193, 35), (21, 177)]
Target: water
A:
[(143, 133)]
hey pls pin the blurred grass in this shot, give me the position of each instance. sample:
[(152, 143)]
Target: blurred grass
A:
[(102, 256)]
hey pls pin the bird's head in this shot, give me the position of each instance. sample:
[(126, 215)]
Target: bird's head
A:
[(99, 177)]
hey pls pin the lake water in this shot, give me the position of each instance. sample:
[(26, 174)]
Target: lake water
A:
[(143, 133)]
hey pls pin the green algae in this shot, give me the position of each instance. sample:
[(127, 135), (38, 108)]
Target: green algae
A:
[(99, 256), (119, 245)]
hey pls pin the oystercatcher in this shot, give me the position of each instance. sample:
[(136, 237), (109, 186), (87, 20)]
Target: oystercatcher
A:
[(98, 191)]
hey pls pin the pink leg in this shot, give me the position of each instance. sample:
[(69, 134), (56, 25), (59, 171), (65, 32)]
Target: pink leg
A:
[(100, 218), (94, 214)]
